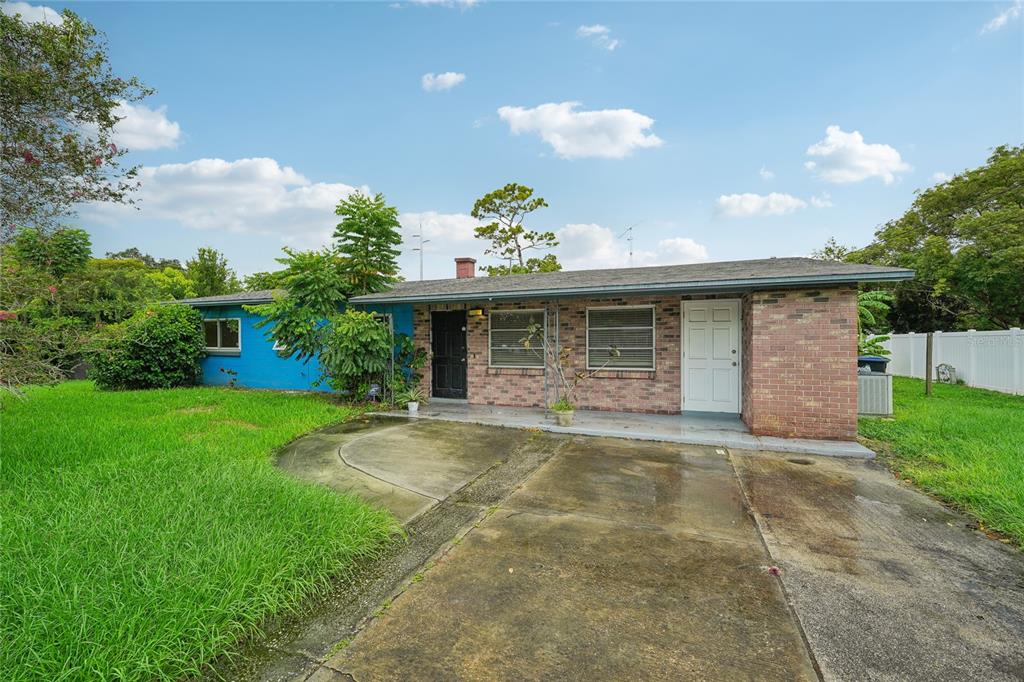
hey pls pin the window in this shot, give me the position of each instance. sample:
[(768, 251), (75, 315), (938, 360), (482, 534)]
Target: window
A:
[(628, 329), (508, 329), (385, 319), (223, 335)]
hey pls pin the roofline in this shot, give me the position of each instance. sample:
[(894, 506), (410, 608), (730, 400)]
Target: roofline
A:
[(230, 301), (707, 285)]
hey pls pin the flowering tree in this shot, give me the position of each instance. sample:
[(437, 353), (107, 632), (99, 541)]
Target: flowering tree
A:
[(58, 103)]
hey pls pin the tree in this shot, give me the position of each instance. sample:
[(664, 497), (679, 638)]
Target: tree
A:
[(133, 253), (506, 208), (965, 240), (58, 107), (60, 253), (172, 284), (316, 287), (260, 281), (210, 273), (832, 251), (367, 239)]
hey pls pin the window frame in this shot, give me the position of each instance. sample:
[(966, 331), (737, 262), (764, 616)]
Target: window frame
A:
[(219, 349), (490, 329), (654, 338)]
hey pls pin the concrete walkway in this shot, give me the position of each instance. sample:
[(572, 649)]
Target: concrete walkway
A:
[(719, 430), (576, 557)]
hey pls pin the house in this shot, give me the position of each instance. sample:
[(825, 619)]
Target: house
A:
[(236, 350), (773, 340)]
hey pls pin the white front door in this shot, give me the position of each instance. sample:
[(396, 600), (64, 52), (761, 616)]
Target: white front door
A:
[(711, 356)]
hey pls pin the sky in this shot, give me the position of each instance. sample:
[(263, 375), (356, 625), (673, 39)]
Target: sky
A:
[(720, 131)]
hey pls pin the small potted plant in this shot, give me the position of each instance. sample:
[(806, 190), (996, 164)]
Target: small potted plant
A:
[(560, 359), (564, 411), (411, 397)]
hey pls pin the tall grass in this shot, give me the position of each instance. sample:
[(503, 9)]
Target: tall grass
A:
[(142, 533), (963, 444)]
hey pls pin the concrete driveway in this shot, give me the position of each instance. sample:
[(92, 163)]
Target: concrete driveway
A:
[(612, 559)]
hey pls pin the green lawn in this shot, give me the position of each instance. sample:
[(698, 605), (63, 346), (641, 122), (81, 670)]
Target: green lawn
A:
[(142, 533), (965, 445)]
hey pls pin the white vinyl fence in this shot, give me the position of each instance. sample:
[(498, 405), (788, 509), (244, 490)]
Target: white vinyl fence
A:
[(992, 360)]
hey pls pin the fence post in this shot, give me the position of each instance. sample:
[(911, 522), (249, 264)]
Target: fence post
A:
[(972, 356), (912, 344), (928, 364), (1016, 352), (937, 350)]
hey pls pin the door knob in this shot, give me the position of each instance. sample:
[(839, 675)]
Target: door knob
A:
[(734, 364)]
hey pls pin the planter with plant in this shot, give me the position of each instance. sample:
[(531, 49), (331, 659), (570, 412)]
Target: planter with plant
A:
[(410, 397), (560, 360)]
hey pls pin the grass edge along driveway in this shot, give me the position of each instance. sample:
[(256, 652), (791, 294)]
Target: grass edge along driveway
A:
[(145, 532), (964, 445)]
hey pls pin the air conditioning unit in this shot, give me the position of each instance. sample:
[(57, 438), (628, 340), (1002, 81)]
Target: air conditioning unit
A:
[(874, 394)]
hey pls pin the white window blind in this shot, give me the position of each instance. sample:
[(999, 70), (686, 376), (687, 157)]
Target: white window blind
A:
[(629, 330), (508, 328)]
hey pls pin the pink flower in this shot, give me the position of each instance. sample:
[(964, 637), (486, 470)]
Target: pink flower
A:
[(97, 161), (52, 289), (774, 570), (7, 315)]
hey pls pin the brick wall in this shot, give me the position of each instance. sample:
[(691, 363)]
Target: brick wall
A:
[(635, 391), (800, 363), (799, 370)]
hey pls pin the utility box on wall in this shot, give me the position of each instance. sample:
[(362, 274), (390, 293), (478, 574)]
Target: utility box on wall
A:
[(874, 394)]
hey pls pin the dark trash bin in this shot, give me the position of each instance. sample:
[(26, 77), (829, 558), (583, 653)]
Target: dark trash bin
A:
[(876, 363)]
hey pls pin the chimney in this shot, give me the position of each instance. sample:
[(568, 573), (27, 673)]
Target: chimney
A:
[(465, 267)]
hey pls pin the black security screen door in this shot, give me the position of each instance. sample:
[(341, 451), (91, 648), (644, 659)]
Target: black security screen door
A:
[(448, 346)]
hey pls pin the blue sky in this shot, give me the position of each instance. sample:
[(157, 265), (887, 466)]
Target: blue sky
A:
[(726, 130)]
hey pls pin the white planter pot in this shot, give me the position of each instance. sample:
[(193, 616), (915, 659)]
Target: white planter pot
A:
[(414, 407), (564, 418)]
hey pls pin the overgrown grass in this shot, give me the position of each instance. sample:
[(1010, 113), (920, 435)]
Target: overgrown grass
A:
[(965, 445), (142, 533)]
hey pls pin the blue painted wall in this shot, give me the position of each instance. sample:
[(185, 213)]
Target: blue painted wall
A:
[(257, 363)]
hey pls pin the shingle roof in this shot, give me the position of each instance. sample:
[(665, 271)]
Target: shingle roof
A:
[(729, 275), (241, 298)]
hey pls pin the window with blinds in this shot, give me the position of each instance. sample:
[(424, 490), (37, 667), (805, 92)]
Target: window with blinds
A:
[(508, 328), (627, 329)]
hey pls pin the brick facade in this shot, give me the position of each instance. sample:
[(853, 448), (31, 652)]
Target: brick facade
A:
[(655, 391), (798, 371), (800, 363)]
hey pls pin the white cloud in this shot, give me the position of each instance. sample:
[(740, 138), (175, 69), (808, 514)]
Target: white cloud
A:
[(844, 157), (32, 14), (823, 200), (766, 174), (142, 128), (1009, 14), (449, 235), (584, 246), (255, 196), (606, 133), (749, 205), (441, 81), (599, 35), (941, 177)]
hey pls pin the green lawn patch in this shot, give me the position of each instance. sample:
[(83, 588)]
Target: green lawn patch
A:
[(142, 533), (965, 445)]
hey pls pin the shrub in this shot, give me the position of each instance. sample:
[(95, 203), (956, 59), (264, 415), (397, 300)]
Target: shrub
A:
[(158, 347), (357, 350)]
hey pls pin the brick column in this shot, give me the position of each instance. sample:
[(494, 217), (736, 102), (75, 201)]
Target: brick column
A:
[(800, 363)]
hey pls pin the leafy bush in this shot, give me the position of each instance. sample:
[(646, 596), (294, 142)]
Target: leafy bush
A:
[(158, 347), (357, 350)]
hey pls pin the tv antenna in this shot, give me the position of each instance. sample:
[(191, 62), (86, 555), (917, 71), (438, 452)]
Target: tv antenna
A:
[(628, 234), (420, 248)]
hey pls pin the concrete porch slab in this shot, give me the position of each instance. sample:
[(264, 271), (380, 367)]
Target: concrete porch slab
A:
[(717, 430)]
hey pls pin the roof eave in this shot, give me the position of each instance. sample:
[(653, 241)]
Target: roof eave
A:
[(629, 289), (214, 304)]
